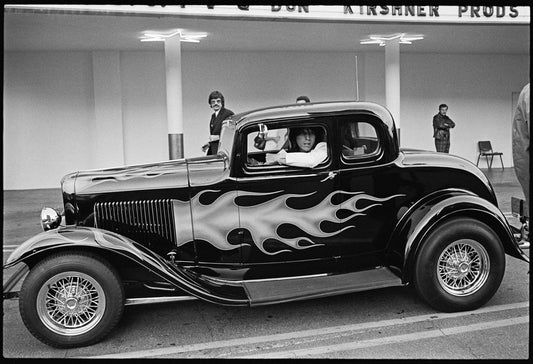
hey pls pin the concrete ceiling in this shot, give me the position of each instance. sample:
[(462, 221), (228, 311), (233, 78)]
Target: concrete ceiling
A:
[(38, 31)]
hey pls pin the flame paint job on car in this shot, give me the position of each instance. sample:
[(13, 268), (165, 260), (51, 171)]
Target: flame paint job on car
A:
[(212, 226)]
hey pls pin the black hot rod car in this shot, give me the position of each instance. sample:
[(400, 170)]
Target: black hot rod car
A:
[(234, 229)]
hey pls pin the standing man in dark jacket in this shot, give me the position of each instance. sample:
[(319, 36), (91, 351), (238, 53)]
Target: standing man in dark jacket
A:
[(441, 129), (216, 102), (521, 130)]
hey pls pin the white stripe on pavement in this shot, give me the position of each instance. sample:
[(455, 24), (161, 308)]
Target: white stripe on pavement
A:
[(305, 333), (421, 335)]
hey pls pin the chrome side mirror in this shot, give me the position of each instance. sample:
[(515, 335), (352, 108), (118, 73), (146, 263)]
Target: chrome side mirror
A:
[(50, 218)]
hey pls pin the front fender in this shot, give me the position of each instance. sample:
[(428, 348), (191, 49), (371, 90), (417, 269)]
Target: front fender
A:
[(79, 236), (71, 236), (418, 222)]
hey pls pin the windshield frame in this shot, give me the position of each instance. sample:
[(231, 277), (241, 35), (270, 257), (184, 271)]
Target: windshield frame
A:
[(227, 140)]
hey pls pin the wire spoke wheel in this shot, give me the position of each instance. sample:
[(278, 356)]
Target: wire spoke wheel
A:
[(71, 303), (71, 299), (463, 267), (460, 265)]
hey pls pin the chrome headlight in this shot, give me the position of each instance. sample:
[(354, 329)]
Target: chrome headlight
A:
[(50, 218)]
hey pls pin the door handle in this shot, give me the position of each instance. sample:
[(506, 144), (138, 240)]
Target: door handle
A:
[(331, 175)]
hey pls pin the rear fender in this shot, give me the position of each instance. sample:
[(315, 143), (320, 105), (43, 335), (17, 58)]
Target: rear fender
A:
[(72, 237), (416, 224)]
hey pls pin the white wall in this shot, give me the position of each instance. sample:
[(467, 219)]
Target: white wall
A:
[(108, 119), (477, 89), (49, 106), (144, 107), (48, 114)]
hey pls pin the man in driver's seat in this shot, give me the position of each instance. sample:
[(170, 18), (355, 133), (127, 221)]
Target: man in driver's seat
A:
[(306, 149)]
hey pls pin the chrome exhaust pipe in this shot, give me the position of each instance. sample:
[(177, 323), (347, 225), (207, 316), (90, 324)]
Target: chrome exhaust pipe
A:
[(150, 300)]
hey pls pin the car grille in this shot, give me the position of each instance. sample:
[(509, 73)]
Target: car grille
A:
[(142, 221)]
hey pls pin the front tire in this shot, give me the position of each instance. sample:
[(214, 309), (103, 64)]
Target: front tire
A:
[(71, 299), (460, 265)]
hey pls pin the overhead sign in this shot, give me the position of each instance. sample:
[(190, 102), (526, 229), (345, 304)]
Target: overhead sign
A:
[(368, 13)]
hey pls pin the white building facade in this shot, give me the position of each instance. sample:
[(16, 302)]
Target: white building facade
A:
[(68, 108)]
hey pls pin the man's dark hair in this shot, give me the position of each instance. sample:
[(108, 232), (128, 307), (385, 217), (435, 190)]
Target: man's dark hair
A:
[(215, 95), (443, 105), (294, 132), (304, 98)]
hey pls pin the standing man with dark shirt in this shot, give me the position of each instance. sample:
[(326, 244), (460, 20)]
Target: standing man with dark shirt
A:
[(441, 129), (216, 102)]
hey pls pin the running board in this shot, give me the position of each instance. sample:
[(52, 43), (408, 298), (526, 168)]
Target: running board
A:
[(262, 292)]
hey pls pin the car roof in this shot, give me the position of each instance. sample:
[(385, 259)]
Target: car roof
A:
[(308, 110)]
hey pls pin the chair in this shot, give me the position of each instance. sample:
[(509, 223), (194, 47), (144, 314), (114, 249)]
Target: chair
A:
[(485, 150)]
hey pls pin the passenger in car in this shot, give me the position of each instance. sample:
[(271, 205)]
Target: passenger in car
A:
[(306, 149), (351, 145)]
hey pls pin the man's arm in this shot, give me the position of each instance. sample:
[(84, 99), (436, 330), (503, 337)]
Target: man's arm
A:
[(521, 125), (309, 160), (205, 147), (449, 123), (436, 122)]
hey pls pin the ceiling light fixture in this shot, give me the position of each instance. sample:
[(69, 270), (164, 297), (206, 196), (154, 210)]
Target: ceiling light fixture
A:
[(381, 40), (151, 36)]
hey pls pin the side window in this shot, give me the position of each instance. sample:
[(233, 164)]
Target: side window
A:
[(264, 143), (359, 140), (261, 142), (266, 140)]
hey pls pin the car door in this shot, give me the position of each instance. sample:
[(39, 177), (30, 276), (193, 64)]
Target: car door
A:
[(287, 218), (370, 199)]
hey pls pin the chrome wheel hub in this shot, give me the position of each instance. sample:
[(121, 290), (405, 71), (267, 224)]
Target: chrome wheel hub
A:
[(463, 267), (71, 303)]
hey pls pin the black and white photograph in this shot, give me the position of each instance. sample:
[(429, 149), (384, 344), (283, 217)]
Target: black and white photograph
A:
[(266, 181)]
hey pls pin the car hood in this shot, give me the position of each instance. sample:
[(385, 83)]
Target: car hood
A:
[(178, 173), (129, 178)]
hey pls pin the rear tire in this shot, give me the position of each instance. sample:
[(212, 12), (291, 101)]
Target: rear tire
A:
[(71, 299), (460, 265)]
